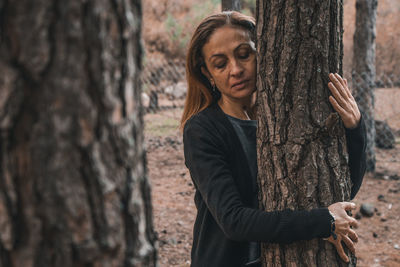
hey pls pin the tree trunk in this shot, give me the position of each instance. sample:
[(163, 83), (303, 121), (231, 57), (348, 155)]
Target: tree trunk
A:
[(73, 180), (302, 154), (363, 74), (230, 5)]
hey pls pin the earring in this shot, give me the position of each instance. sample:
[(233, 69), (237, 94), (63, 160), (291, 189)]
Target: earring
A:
[(213, 85)]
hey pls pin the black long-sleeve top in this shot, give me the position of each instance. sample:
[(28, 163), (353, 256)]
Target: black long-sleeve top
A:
[(226, 221)]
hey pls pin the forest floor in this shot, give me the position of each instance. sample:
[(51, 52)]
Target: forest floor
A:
[(174, 209)]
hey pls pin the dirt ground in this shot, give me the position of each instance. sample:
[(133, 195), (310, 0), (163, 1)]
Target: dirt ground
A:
[(174, 210)]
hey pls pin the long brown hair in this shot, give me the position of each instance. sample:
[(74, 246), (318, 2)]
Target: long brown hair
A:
[(200, 94)]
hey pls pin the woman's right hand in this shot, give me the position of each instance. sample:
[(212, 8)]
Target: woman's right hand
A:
[(343, 221), (343, 231), (350, 240)]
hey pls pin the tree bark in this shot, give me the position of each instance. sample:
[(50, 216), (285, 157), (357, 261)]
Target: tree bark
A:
[(73, 180), (363, 74), (302, 154), (230, 5)]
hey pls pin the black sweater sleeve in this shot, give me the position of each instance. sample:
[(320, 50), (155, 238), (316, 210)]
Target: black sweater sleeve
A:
[(356, 144), (210, 172)]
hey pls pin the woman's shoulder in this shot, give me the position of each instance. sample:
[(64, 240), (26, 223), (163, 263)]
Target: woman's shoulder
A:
[(211, 121), (206, 118)]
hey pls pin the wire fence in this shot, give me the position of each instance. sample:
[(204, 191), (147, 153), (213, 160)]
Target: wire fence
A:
[(163, 84), (384, 97), (164, 87)]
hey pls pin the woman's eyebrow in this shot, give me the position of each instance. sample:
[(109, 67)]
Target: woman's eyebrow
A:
[(237, 48), (241, 45), (216, 55)]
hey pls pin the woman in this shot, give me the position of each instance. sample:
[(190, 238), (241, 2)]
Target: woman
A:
[(218, 118)]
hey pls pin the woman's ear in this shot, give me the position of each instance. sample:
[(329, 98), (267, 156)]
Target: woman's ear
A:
[(206, 73)]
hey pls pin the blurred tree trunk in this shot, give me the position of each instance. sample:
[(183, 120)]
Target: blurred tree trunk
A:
[(363, 74), (73, 180), (302, 154), (230, 5)]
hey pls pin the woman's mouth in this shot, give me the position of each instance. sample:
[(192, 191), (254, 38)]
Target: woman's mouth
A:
[(240, 84)]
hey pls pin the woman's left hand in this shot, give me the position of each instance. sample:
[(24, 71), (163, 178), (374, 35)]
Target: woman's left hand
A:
[(343, 101)]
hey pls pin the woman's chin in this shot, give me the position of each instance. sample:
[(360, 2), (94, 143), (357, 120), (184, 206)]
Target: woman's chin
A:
[(244, 93)]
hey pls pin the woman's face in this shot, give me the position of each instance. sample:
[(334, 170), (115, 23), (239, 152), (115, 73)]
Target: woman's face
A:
[(230, 58)]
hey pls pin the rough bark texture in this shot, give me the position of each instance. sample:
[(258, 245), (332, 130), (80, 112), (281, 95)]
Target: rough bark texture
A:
[(364, 70), (302, 155), (73, 179), (231, 5)]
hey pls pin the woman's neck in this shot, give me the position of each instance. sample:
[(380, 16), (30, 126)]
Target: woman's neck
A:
[(241, 109)]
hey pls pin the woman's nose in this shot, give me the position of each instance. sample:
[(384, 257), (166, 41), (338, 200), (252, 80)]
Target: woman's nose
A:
[(236, 68)]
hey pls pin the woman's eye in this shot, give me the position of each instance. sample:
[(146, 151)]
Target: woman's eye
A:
[(220, 65), (244, 55)]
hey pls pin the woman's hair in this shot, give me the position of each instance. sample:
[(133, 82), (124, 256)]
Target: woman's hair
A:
[(200, 94)]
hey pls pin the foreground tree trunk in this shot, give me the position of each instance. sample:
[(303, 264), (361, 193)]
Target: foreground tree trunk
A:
[(363, 74), (73, 184), (230, 5), (302, 155)]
